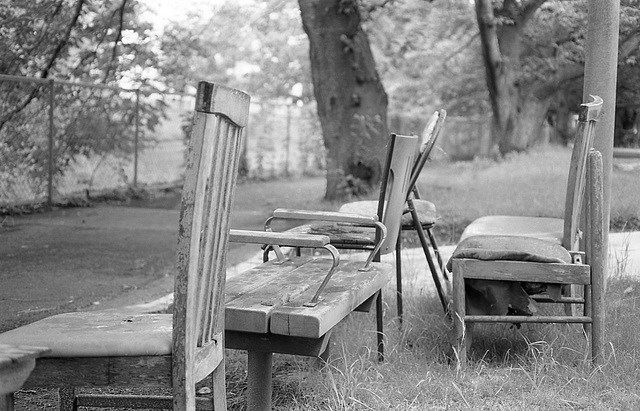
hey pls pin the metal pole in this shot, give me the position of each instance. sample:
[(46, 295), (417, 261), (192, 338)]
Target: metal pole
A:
[(51, 136), (135, 141), (600, 75), (288, 142)]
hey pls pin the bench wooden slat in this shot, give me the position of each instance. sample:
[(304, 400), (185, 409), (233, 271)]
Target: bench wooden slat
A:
[(250, 307), (283, 239), (523, 271), (333, 216), (255, 278), (347, 290)]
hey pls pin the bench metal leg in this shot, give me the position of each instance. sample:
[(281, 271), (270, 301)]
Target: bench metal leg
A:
[(6, 402), (259, 381), (399, 279), (380, 326)]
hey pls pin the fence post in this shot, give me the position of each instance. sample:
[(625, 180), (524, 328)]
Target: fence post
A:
[(51, 135), (288, 141), (135, 140)]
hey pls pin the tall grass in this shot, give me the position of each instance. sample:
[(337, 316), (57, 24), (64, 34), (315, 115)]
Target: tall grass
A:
[(533, 367), (528, 184)]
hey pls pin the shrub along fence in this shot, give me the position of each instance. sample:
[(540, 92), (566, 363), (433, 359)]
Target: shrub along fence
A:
[(62, 139)]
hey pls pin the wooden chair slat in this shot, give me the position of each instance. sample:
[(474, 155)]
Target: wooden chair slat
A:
[(347, 290), (554, 273)]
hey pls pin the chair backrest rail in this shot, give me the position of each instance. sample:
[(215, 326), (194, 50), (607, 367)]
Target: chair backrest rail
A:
[(208, 190), (393, 195), (429, 139), (588, 116)]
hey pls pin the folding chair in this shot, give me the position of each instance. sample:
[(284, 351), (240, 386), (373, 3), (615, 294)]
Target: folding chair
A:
[(498, 275), (419, 215)]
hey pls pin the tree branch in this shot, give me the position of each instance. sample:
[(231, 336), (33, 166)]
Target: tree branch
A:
[(45, 71), (460, 49), (528, 9), (114, 50), (65, 39)]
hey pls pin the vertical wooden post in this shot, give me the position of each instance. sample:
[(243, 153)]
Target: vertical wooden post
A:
[(598, 254), (458, 314), (51, 137), (600, 75), (135, 140)]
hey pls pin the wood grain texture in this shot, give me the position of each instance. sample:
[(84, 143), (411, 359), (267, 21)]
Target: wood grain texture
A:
[(286, 239), (270, 298), (347, 290), (332, 216), (523, 271)]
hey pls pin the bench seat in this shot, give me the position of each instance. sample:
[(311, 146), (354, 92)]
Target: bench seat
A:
[(271, 298)]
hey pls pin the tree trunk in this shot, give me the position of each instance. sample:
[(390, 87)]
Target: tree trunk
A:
[(518, 114), (352, 103)]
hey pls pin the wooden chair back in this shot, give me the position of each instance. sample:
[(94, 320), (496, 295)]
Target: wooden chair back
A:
[(587, 118), (209, 187), (400, 161), (428, 140)]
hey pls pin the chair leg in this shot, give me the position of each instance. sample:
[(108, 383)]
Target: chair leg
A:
[(399, 279), (380, 326), (459, 312), (7, 402), (436, 251), (427, 254), (67, 399), (218, 388)]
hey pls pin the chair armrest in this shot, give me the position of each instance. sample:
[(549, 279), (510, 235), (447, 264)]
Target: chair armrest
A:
[(282, 239), (291, 240), (331, 216)]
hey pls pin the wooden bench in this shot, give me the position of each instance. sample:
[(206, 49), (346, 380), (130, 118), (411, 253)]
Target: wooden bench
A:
[(290, 305)]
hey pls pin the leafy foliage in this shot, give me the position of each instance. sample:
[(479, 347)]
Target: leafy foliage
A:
[(258, 47), (96, 42)]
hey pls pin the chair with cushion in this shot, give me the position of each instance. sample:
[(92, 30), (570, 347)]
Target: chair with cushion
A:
[(123, 348), (500, 275), (419, 215), (416, 214)]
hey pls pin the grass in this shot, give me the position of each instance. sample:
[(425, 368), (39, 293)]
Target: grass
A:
[(534, 367)]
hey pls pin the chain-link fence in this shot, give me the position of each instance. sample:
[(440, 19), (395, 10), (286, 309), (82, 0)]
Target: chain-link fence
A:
[(61, 139)]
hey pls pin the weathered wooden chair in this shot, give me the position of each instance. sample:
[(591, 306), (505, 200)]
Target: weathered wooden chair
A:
[(419, 215), (498, 273), (16, 363), (291, 304), (117, 348)]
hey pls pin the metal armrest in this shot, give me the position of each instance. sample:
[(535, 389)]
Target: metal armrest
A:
[(291, 240), (337, 217)]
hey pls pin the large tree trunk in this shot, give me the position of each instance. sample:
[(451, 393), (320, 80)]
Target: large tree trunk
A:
[(518, 113), (352, 103)]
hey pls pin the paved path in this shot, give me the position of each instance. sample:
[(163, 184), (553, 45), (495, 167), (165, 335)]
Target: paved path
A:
[(108, 257), (624, 259)]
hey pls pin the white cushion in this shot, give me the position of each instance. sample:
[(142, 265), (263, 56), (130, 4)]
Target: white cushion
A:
[(97, 334)]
